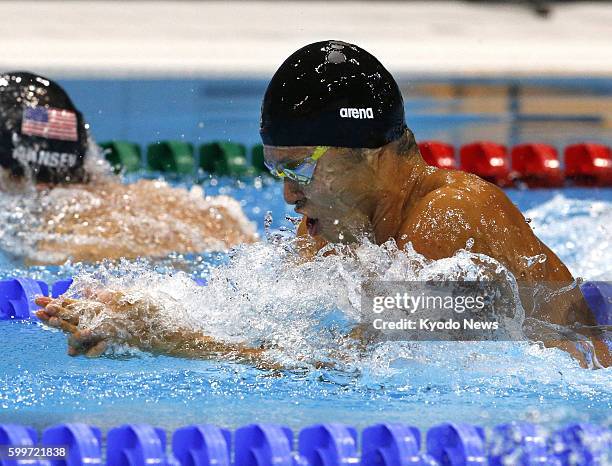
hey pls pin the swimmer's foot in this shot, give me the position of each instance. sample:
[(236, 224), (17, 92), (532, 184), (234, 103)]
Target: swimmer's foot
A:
[(61, 313)]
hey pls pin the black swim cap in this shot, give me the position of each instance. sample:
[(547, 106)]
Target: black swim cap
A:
[(41, 131), (332, 94)]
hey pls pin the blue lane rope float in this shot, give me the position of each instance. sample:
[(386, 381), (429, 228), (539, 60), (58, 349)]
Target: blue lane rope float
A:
[(137, 444), (599, 296), (329, 444), (60, 287), (520, 444), (17, 435), (17, 297), (525, 442), (272, 444), (202, 444), (583, 444), (82, 441), (457, 444), (392, 444)]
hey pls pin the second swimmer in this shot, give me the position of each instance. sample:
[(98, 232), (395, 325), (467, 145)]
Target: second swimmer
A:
[(50, 170)]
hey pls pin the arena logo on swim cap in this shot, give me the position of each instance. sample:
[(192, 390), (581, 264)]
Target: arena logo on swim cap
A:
[(358, 113)]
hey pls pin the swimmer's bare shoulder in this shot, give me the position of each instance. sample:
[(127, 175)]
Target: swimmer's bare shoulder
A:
[(461, 206)]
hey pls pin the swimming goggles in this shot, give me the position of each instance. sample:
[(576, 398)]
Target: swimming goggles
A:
[(300, 171)]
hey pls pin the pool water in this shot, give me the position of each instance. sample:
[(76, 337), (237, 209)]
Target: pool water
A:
[(259, 293)]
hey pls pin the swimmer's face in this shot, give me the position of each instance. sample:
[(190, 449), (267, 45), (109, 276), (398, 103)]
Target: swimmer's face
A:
[(336, 199)]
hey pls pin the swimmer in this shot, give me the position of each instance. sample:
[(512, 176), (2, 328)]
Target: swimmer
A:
[(333, 129), (49, 167)]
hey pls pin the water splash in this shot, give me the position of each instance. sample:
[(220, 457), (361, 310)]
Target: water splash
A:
[(579, 232), (304, 311)]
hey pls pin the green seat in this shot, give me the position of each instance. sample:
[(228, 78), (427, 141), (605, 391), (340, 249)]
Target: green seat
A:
[(122, 155), (171, 156), (257, 158), (224, 158)]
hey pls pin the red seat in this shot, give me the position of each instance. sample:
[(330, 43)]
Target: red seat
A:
[(589, 164), (536, 165), (438, 154), (488, 160)]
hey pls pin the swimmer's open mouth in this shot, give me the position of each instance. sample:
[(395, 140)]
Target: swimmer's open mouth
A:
[(313, 226)]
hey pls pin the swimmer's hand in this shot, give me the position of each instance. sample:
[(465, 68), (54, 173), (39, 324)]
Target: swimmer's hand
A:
[(106, 317), (59, 313)]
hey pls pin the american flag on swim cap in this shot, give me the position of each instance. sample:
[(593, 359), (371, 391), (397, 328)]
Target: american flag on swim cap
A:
[(49, 123)]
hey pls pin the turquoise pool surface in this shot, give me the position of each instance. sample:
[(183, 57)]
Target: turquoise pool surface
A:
[(254, 293)]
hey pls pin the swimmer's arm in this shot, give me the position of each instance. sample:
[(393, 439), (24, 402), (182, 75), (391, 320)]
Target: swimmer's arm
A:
[(443, 221), (195, 345), (112, 319)]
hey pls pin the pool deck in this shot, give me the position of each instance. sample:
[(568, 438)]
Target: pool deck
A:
[(192, 39)]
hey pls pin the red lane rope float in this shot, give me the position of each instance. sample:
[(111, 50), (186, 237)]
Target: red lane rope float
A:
[(438, 154), (536, 165), (588, 164), (488, 160)]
